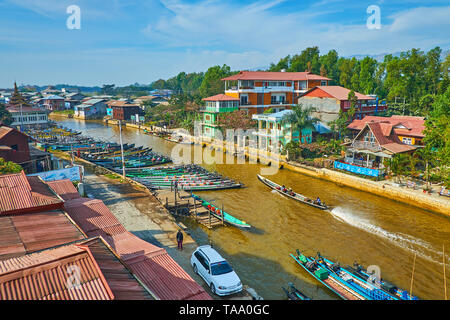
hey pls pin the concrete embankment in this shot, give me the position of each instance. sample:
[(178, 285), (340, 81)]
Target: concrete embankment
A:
[(381, 188)]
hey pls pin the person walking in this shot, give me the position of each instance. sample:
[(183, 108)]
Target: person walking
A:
[(180, 240)]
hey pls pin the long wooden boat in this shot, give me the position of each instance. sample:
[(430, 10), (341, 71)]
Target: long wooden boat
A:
[(292, 194), (216, 212), (323, 276), (293, 293), (384, 285), (196, 187), (370, 291)]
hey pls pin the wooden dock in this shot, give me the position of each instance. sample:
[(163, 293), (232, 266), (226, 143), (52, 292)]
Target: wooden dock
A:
[(181, 203)]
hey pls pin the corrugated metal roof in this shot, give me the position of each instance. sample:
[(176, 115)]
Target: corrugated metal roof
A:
[(46, 276), (153, 266), (167, 279), (91, 214), (275, 76), (19, 193), (65, 189), (21, 234), (123, 284)]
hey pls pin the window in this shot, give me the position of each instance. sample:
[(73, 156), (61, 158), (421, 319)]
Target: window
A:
[(207, 117), (273, 99), (219, 268), (323, 83), (279, 126), (202, 260), (248, 83), (244, 100), (407, 141)]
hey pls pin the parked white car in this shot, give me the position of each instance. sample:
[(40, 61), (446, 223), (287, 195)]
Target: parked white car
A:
[(216, 271)]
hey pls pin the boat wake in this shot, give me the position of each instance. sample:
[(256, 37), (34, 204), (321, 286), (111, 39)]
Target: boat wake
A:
[(404, 241)]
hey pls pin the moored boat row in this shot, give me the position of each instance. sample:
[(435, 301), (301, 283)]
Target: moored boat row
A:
[(348, 285)]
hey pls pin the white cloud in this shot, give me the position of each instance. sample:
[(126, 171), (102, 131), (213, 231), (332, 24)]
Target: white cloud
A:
[(255, 27)]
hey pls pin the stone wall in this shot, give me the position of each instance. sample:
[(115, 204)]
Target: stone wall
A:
[(424, 201)]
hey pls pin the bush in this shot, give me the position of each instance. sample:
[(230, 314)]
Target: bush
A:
[(8, 167)]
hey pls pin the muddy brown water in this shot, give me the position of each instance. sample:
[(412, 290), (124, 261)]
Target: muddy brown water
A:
[(361, 227)]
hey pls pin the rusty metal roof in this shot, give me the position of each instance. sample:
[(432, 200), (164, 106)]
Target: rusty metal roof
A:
[(152, 264), (50, 274), (65, 189), (26, 233), (19, 194), (123, 283)]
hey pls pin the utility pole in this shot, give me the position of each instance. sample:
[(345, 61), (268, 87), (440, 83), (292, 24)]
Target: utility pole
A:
[(121, 148)]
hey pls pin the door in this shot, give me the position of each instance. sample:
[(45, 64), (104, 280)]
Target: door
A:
[(260, 99), (203, 266)]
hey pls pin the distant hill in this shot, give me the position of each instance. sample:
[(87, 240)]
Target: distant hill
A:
[(60, 86)]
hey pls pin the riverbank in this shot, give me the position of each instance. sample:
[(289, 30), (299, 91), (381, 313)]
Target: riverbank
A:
[(388, 189), (142, 214)]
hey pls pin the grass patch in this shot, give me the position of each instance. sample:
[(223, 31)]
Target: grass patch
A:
[(114, 177)]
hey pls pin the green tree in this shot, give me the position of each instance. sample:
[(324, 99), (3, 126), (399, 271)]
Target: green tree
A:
[(347, 69), (367, 75), (8, 167), (308, 59), (433, 70), (5, 116), (301, 118), (212, 83), (108, 89), (329, 63), (284, 63)]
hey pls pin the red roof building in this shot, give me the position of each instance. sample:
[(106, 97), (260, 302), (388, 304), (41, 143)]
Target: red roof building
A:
[(258, 91), (329, 100), (152, 265), (64, 273), (374, 143), (14, 146), (21, 194), (22, 234), (65, 189), (409, 129)]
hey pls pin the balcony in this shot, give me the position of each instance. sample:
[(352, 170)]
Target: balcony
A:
[(363, 145), (260, 89)]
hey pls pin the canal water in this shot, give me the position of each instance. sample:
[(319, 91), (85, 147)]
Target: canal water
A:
[(361, 227)]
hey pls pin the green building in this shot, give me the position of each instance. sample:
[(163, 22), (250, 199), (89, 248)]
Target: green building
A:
[(215, 106), (273, 133)]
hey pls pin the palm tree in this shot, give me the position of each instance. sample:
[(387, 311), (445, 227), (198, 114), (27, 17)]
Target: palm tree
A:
[(427, 156), (300, 119)]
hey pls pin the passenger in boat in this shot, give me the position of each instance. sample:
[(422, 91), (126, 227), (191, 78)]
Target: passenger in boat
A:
[(318, 201), (283, 188)]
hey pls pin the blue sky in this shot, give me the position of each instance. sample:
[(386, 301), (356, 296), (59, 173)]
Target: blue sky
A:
[(126, 41)]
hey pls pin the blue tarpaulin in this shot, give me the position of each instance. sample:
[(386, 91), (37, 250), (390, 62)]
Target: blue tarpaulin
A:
[(356, 169)]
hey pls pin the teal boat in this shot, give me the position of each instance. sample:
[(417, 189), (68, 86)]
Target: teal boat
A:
[(216, 212)]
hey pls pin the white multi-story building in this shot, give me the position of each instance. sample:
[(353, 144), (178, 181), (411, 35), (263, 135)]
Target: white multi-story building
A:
[(28, 116)]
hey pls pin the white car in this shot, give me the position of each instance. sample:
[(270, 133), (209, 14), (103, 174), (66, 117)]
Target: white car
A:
[(216, 271)]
